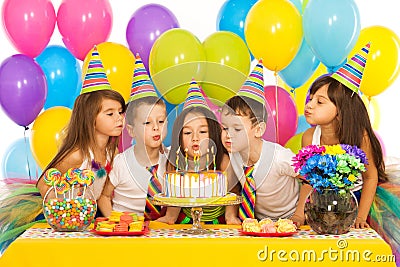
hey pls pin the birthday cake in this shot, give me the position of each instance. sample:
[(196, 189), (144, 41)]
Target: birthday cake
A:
[(204, 184)]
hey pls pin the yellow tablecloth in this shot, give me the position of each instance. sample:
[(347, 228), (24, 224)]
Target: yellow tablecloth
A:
[(163, 245)]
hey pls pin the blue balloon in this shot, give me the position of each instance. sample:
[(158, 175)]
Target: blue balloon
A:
[(298, 5), (301, 68), (232, 15), (171, 119), (331, 29), (302, 124), (18, 161), (63, 74)]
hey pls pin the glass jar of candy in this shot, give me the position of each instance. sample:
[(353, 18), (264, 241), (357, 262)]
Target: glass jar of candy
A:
[(72, 211)]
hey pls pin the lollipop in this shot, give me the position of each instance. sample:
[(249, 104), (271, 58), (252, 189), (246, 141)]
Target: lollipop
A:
[(72, 176), (62, 187), (52, 176), (88, 177)]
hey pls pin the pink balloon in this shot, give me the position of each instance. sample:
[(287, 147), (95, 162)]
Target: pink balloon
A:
[(285, 114), (382, 143), (29, 24), (83, 24), (125, 141), (270, 131)]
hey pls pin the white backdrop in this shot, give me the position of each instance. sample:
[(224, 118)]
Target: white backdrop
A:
[(200, 17)]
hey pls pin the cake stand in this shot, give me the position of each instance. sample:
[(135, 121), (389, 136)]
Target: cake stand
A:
[(197, 206)]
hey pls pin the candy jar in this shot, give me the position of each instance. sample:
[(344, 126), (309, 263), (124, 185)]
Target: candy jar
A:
[(69, 205)]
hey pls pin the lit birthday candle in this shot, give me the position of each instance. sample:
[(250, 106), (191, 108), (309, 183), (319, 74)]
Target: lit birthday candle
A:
[(177, 158), (213, 155), (186, 159), (207, 158)]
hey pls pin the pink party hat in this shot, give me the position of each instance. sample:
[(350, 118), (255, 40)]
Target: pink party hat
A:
[(195, 97), (253, 87), (95, 77), (142, 86), (350, 74)]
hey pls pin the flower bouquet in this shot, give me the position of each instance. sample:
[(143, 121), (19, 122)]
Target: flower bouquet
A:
[(331, 207)]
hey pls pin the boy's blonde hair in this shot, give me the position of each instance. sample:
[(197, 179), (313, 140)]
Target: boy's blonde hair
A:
[(133, 106)]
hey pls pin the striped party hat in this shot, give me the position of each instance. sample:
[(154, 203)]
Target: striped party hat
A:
[(350, 74), (142, 86), (95, 77), (253, 87), (195, 97)]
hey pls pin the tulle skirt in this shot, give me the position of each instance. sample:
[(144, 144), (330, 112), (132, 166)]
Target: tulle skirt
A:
[(385, 209), (20, 208)]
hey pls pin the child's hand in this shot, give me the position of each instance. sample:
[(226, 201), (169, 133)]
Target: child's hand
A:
[(361, 223), (233, 220), (298, 220)]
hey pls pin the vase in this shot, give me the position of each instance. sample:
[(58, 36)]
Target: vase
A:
[(329, 212), (72, 211)]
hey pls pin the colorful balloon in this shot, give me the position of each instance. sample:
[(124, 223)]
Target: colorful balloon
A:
[(301, 68), (273, 32), (23, 89), (119, 63), (63, 76), (83, 24), (294, 143), (383, 63), (227, 66), (29, 24), (331, 29), (284, 112), (47, 133), (176, 57), (145, 26), (18, 161)]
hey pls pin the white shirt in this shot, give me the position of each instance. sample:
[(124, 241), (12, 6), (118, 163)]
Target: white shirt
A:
[(131, 181), (277, 189)]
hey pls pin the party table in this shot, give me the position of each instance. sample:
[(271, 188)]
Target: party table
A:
[(164, 245)]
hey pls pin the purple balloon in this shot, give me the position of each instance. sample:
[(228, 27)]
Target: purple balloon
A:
[(23, 89), (145, 26)]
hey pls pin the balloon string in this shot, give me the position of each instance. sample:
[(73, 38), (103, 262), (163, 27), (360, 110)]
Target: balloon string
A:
[(276, 107), (26, 152)]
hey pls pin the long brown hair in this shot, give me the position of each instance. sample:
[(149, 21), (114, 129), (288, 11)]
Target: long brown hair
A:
[(80, 130), (214, 130), (353, 119)]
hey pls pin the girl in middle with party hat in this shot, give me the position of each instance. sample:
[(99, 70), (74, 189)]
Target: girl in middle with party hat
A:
[(196, 131)]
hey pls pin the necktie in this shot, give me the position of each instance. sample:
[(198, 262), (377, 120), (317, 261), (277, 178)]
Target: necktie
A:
[(152, 212), (246, 208)]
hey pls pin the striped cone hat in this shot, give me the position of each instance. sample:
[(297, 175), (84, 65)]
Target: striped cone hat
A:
[(142, 86), (95, 77), (350, 74), (195, 97), (253, 87)]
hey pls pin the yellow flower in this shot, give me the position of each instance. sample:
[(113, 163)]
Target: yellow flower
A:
[(334, 150), (352, 178)]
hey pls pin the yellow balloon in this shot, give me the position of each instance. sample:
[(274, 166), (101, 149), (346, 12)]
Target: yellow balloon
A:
[(374, 112), (47, 133), (294, 143), (300, 94), (227, 67), (274, 32), (383, 61), (119, 63), (176, 57)]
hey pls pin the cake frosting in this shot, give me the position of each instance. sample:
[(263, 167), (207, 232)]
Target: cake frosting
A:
[(204, 184)]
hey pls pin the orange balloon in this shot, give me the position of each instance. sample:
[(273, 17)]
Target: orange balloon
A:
[(119, 63), (47, 133)]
